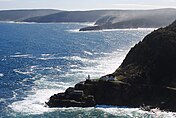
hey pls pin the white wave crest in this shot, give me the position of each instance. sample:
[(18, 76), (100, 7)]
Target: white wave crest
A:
[(35, 70), (21, 56), (1, 74), (35, 103), (45, 55), (87, 52)]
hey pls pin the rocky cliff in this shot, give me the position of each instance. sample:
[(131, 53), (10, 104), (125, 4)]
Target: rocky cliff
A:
[(147, 76)]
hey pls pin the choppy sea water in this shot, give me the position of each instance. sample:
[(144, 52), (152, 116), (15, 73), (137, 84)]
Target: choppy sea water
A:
[(39, 60)]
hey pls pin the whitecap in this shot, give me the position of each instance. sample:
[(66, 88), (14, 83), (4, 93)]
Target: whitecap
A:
[(21, 56), (45, 55), (37, 70), (74, 66), (73, 30), (17, 53), (75, 58), (1, 74), (48, 57), (87, 52), (34, 103), (22, 72), (2, 100)]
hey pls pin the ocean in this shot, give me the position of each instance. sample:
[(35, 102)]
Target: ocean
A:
[(39, 60)]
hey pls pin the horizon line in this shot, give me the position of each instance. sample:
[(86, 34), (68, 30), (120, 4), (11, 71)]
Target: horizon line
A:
[(84, 9)]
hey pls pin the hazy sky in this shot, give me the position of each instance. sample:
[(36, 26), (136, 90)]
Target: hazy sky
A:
[(87, 4)]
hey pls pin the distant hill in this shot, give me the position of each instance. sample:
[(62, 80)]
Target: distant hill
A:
[(20, 15), (71, 16), (135, 19), (128, 15)]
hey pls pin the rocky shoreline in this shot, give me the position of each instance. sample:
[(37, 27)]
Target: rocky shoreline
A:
[(146, 77)]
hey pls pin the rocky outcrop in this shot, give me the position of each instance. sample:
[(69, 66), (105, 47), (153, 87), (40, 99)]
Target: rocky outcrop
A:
[(147, 76), (72, 97), (90, 28)]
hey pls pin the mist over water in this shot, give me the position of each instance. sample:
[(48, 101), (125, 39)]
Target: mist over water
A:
[(39, 60)]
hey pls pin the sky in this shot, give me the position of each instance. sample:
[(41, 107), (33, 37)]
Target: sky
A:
[(86, 4)]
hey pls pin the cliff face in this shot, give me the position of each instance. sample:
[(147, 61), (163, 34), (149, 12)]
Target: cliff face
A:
[(154, 57), (147, 76)]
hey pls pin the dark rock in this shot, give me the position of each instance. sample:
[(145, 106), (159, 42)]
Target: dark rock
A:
[(146, 76), (69, 90), (79, 86), (90, 28), (90, 100), (71, 98)]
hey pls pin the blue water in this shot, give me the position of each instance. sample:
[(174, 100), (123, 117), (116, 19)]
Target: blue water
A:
[(38, 60)]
